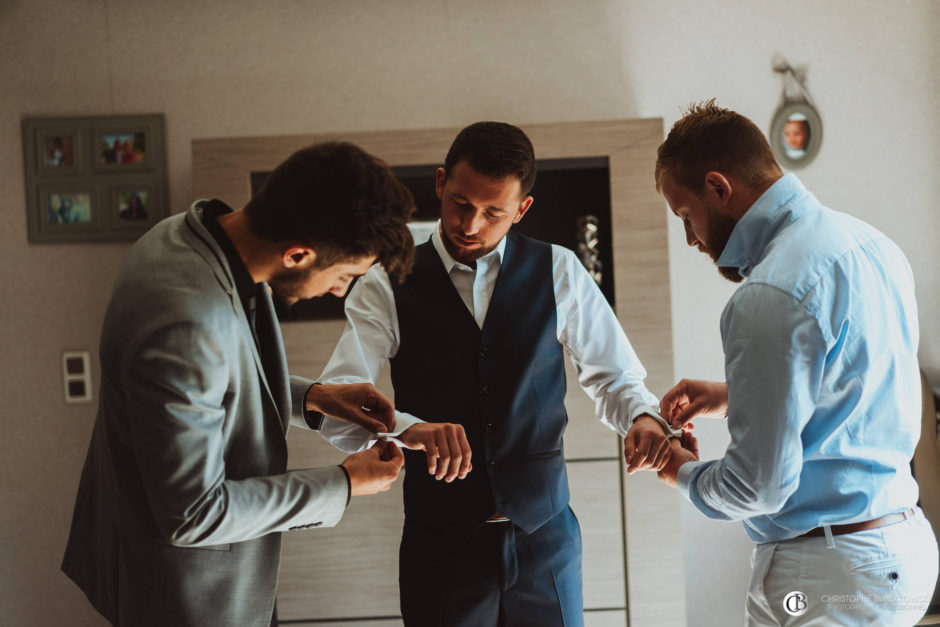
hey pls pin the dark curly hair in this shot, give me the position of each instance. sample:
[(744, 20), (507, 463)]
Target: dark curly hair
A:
[(342, 202)]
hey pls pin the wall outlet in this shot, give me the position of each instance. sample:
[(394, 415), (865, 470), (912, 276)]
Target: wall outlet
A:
[(76, 376)]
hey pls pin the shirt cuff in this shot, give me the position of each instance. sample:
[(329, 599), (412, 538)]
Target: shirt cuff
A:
[(687, 476), (404, 420), (651, 411), (348, 483)]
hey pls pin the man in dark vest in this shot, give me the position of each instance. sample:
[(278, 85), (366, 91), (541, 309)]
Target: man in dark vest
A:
[(476, 338)]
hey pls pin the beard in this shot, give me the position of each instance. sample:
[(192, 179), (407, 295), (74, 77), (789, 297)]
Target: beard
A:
[(288, 285), (466, 257), (720, 226), (730, 273)]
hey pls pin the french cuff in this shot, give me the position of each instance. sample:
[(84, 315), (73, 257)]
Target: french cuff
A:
[(653, 412), (405, 420)]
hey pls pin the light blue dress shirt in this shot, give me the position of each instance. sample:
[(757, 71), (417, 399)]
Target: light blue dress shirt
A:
[(820, 346)]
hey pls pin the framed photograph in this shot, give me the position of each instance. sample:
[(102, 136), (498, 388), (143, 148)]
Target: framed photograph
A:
[(121, 148), (69, 210), (796, 134), (132, 206), (59, 151), (93, 178)]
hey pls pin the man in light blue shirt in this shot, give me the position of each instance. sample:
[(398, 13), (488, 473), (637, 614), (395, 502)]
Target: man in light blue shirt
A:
[(822, 395)]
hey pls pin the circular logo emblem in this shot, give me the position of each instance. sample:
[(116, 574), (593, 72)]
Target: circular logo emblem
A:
[(795, 603)]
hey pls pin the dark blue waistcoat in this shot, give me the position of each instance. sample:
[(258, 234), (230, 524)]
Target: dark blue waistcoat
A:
[(505, 383)]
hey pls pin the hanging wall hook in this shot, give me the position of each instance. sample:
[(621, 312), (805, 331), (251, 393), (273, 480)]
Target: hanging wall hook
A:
[(796, 128)]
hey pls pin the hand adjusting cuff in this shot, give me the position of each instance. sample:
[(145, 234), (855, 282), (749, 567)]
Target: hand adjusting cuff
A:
[(667, 428)]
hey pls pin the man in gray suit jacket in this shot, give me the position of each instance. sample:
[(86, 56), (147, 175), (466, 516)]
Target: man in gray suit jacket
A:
[(185, 490)]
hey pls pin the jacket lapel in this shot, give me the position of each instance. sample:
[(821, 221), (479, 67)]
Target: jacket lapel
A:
[(204, 244), (274, 361)]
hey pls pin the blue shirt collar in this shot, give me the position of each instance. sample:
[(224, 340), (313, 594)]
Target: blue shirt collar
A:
[(761, 223)]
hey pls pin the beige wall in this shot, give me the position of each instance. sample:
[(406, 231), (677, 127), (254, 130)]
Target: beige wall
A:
[(233, 67)]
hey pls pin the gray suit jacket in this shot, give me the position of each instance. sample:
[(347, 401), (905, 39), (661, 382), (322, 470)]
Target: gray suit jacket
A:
[(184, 492)]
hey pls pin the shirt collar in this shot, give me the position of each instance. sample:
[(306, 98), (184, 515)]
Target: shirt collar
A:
[(761, 223), (494, 256), (211, 210)]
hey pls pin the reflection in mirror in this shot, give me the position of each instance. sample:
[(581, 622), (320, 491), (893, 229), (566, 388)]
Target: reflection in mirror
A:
[(796, 134)]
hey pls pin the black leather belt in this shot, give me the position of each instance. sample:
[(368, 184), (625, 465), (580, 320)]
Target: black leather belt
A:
[(841, 530)]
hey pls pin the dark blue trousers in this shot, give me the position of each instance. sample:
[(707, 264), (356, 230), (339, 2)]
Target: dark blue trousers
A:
[(495, 576)]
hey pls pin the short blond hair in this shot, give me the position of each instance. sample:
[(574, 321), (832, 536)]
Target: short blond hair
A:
[(711, 138)]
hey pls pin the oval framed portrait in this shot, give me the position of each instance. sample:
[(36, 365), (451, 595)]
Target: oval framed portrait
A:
[(796, 134)]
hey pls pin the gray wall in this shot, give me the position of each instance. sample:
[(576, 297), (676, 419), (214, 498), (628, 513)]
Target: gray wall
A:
[(233, 67)]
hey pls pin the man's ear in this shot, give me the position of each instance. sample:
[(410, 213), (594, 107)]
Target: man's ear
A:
[(523, 207), (718, 186), (298, 256)]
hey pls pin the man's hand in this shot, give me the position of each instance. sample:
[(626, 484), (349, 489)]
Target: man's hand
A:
[(375, 469), (688, 441), (684, 449), (690, 399), (359, 403), (646, 446), (446, 446)]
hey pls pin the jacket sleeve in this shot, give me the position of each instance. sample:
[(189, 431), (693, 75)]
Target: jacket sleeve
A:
[(176, 392)]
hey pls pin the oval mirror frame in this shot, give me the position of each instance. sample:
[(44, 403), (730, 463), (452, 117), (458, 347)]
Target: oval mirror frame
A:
[(792, 122)]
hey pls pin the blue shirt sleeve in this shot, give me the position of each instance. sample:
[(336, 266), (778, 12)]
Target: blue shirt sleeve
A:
[(774, 358)]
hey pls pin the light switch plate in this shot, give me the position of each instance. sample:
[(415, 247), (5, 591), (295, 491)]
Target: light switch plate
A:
[(76, 376)]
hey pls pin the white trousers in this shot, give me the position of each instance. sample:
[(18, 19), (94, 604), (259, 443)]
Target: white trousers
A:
[(882, 577)]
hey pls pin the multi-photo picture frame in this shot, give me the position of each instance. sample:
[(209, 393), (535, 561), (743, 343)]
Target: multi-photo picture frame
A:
[(92, 179)]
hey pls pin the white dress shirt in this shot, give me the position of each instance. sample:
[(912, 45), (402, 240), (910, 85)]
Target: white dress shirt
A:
[(608, 368)]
